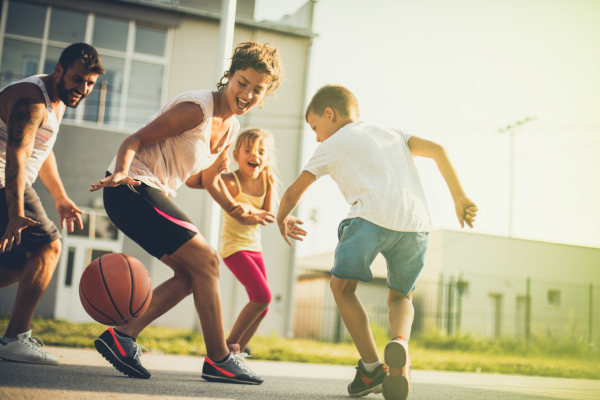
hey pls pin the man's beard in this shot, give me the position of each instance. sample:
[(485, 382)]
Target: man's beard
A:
[(63, 93)]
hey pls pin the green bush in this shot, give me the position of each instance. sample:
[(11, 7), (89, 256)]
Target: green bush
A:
[(544, 355), (540, 344)]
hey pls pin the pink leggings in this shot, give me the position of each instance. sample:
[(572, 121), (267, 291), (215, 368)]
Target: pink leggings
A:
[(249, 268)]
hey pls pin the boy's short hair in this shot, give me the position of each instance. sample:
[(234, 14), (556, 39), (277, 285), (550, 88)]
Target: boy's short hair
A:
[(84, 52), (337, 97)]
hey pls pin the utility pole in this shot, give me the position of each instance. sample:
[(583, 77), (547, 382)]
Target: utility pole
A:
[(511, 130), (212, 212)]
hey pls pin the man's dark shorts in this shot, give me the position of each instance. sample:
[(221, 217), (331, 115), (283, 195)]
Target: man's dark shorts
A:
[(33, 238)]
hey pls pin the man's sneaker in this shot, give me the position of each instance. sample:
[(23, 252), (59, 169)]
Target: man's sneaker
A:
[(122, 352), (396, 385), (366, 382), (232, 370), (26, 349)]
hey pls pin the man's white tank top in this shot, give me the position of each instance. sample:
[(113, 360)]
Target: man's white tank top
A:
[(44, 137), (167, 164)]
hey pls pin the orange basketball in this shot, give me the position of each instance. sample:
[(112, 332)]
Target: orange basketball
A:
[(115, 289)]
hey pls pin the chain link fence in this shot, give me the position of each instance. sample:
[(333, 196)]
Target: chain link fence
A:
[(491, 306)]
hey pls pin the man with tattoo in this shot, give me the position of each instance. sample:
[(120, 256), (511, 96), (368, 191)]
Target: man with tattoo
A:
[(30, 114)]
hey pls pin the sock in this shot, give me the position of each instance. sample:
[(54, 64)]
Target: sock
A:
[(371, 367), (123, 335), (9, 340), (223, 360)]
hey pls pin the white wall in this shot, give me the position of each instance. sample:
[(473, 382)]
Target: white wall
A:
[(193, 68)]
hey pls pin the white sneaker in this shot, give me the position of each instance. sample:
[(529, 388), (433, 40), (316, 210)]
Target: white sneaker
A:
[(26, 349)]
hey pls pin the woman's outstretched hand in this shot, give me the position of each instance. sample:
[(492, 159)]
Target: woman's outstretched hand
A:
[(115, 180)]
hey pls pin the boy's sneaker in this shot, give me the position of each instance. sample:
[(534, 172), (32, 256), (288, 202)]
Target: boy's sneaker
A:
[(366, 382), (123, 353), (232, 370), (26, 349), (396, 385)]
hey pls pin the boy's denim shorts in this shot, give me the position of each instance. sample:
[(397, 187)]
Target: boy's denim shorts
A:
[(359, 243)]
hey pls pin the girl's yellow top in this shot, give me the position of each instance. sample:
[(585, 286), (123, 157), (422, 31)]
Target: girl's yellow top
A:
[(235, 236)]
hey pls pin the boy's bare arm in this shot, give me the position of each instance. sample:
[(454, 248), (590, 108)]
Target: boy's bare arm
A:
[(289, 201), (466, 210)]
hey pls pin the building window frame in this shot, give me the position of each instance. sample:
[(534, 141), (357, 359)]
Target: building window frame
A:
[(553, 298), (129, 56)]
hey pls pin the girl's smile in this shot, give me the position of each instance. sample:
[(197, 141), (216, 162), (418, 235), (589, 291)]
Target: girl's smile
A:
[(252, 158)]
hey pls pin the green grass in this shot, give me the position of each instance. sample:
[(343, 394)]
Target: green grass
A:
[(544, 355)]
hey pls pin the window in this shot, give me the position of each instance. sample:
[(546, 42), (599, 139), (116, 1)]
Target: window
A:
[(96, 226), (554, 298), (70, 263), (134, 55)]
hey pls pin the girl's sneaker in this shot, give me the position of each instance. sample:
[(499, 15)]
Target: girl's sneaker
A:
[(26, 349), (123, 353), (232, 370), (366, 382), (396, 385)]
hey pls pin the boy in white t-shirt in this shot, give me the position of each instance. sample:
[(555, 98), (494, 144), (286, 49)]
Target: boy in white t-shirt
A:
[(374, 169)]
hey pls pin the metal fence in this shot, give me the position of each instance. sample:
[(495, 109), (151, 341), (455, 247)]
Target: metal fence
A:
[(490, 306)]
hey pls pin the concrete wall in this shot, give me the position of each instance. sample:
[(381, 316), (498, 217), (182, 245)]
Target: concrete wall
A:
[(83, 154), (500, 266)]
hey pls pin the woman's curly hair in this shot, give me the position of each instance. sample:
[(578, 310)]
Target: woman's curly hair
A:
[(263, 58)]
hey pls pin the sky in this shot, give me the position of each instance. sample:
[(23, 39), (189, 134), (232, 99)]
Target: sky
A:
[(455, 72)]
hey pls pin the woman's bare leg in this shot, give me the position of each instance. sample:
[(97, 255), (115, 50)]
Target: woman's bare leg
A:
[(202, 263), (164, 297)]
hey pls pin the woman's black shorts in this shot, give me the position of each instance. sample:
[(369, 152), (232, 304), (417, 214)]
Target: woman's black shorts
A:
[(147, 216)]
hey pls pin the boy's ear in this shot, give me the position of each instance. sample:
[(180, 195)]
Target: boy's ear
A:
[(330, 114)]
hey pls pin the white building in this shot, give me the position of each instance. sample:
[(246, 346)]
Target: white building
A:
[(473, 283), (152, 51)]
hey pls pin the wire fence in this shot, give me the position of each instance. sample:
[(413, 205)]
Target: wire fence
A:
[(492, 306)]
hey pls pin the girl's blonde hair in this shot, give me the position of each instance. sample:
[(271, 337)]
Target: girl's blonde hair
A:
[(252, 137)]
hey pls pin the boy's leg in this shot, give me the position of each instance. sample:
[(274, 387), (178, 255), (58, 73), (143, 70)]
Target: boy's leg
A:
[(355, 317), (402, 313), (397, 384)]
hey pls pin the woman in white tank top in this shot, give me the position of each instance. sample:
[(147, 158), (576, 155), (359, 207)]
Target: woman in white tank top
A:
[(189, 134)]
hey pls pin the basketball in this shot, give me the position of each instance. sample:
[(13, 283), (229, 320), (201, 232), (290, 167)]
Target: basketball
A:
[(115, 289)]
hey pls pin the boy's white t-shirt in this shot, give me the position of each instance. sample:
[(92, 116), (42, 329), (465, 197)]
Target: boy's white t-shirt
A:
[(375, 172)]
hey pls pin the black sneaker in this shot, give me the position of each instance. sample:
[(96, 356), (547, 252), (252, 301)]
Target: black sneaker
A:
[(232, 370), (367, 382), (397, 384), (122, 352)]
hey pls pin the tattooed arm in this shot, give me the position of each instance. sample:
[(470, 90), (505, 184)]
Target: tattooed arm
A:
[(26, 116)]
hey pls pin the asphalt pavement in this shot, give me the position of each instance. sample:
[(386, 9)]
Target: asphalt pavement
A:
[(84, 374)]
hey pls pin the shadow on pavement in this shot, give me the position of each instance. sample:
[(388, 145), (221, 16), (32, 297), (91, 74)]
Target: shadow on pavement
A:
[(168, 383)]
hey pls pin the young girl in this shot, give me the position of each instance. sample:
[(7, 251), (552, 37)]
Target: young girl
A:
[(188, 136), (253, 184)]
